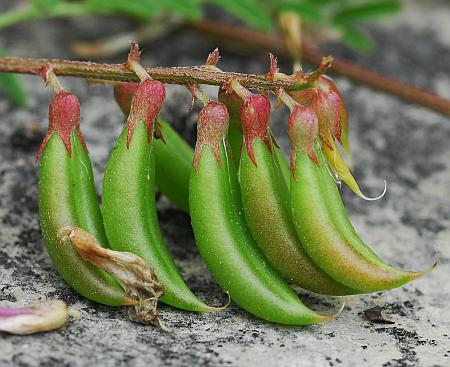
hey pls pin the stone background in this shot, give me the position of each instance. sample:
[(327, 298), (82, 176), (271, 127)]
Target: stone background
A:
[(406, 145)]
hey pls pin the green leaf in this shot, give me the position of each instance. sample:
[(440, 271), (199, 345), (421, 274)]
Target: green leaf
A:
[(250, 11), (12, 85), (356, 39), (147, 9), (366, 11), (44, 5), (308, 11), (189, 9), (140, 9)]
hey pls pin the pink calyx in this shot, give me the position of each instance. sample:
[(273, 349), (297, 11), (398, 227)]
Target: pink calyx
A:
[(212, 128), (145, 106), (303, 131), (64, 117), (325, 99), (255, 116)]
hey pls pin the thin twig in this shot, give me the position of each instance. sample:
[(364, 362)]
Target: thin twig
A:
[(173, 75), (255, 41)]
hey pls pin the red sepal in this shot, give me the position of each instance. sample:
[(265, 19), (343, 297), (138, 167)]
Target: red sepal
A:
[(212, 128), (64, 117), (255, 116), (145, 106), (303, 132)]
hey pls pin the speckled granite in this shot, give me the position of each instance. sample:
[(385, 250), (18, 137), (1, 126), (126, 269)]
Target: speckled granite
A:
[(406, 145)]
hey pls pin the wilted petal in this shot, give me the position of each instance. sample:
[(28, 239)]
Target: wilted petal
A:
[(44, 316), (134, 274), (340, 167)]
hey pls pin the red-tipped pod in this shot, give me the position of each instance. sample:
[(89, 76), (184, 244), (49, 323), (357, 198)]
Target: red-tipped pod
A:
[(145, 105), (255, 115), (303, 131), (212, 127), (67, 196), (123, 94), (64, 117), (173, 154)]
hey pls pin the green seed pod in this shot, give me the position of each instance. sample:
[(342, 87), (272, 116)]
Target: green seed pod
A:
[(347, 259), (222, 236), (67, 197), (265, 198), (173, 155), (129, 206)]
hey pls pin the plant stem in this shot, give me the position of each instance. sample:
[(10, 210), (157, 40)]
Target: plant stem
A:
[(291, 28), (173, 75), (255, 41)]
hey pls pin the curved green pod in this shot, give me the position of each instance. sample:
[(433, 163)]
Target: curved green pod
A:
[(174, 156), (129, 208), (67, 197), (338, 212), (223, 238), (345, 259), (266, 205)]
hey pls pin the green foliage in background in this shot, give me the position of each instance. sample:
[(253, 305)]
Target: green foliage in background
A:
[(339, 16)]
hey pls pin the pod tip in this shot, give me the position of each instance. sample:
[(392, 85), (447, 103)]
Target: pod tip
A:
[(220, 308), (433, 266), (324, 318)]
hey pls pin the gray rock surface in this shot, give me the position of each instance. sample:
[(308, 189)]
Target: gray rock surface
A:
[(406, 145)]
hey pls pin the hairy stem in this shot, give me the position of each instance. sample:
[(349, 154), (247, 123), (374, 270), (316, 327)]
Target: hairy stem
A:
[(172, 75), (250, 41)]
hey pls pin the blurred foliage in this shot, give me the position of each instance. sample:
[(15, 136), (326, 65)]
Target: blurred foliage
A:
[(12, 86), (340, 18)]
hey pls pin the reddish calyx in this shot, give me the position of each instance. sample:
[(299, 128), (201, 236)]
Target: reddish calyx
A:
[(255, 115), (212, 128), (326, 101), (145, 106), (123, 94), (342, 112), (64, 117), (303, 131)]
